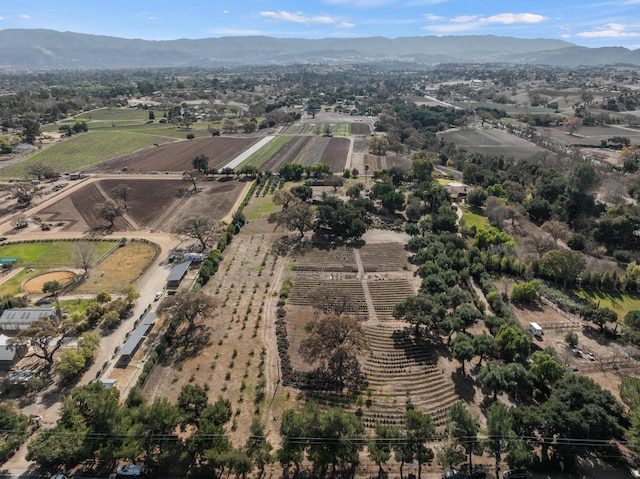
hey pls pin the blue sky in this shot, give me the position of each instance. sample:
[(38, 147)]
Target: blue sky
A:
[(590, 23)]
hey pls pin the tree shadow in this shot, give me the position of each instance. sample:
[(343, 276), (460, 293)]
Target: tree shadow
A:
[(192, 341), (531, 307), (463, 385)]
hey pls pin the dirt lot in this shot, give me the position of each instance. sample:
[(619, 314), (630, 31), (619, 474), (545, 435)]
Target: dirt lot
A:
[(177, 156), (153, 204), (34, 285), (605, 353)]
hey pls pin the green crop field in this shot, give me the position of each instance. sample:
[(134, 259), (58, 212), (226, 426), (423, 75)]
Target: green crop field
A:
[(115, 114), (164, 129), (84, 150), (267, 151), (50, 253), (619, 302)]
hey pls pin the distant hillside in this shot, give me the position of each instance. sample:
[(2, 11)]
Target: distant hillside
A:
[(48, 49)]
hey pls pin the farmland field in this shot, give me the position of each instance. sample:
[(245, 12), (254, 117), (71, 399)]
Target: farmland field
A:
[(153, 204), (287, 152), (382, 162), (336, 153), (178, 156), (84, 150), (332, 151), (334, 128), (590, 135), (493, 142)]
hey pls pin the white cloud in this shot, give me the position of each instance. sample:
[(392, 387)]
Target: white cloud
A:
[(510, 18), (464, 19), (433, 18), (1, 18), (299, 17), (362, 3), (345, 25), (225, 11), (152, 18), (417, 3), (464, 23), (610, 30), (25, 16)]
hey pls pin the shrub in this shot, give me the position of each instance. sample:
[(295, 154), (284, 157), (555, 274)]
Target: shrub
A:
[(525, 292)]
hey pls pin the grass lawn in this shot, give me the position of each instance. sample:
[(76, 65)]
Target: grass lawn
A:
[(75, 305), (50, 253), (12, 285), (260, 208), (120, 268), (619, 302), (472, 218)]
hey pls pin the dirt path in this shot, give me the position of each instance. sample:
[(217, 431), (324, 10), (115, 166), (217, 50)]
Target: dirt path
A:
[(362, 276), (273, 357)]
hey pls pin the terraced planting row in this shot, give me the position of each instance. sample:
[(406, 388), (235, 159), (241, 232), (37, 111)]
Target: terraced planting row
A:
[(387, 293), (338, 260), (399, 370), (384, 257), (303, 288)]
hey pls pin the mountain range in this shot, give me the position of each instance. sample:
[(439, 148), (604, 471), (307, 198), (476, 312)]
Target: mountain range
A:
[(48, 49)]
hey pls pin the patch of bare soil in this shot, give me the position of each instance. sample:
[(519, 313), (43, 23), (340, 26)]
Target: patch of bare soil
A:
[(35, 284), (153, 204)]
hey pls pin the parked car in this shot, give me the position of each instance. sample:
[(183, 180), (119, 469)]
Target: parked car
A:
[(477, 474), (454, 474), (515, 474), (157, 296)]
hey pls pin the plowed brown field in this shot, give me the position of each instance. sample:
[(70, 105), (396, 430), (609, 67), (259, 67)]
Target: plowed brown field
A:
[(177, 156), (152, 204)]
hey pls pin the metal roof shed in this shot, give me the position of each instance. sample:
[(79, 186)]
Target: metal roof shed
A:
[(133, 342), (177, 273), (17, 319)]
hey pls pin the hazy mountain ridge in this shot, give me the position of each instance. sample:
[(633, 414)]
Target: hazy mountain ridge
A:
[(49, 49)]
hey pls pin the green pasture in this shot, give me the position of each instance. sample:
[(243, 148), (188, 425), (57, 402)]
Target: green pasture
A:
[(260, 208), (267, 151), (166, 130), (49, 253), (12, 285), (619, 302), (84, 150), (473, 218)]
